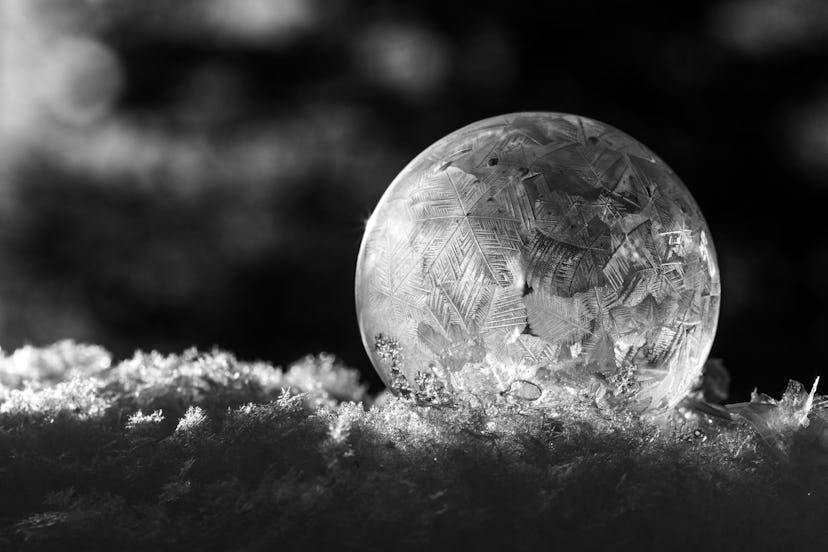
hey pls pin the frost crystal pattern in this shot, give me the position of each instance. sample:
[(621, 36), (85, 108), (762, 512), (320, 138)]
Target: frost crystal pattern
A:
[(541, 256)]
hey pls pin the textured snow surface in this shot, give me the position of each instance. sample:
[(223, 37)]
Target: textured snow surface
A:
[(202, 451)]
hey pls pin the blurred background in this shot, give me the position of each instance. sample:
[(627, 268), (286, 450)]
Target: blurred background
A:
[(200, 172)]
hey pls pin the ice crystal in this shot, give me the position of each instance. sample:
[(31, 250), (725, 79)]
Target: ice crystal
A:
[(139, 419), (79, 397), (193, 419), (432, 391), (46, 366), (388, 351), (325, 379)]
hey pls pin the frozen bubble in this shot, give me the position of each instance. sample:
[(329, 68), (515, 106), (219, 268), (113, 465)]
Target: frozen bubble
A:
[(539, 252)]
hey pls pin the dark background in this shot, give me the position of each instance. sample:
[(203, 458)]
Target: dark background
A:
[(199, 173)]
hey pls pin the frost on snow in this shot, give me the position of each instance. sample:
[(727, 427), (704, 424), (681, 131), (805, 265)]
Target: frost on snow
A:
[(203, 451)]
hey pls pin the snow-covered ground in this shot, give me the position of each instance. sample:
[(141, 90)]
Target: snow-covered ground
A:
[(203, 451)]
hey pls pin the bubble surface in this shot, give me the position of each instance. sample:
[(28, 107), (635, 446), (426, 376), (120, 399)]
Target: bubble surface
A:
[(544, 257)]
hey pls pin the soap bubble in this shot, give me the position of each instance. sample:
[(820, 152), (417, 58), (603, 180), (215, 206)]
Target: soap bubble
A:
[(543, 257)]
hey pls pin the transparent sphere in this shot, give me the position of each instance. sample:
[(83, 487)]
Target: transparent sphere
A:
[(540, 256)]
